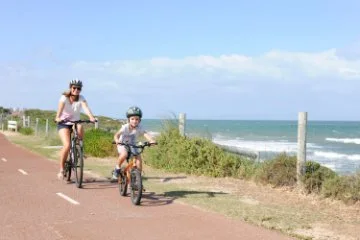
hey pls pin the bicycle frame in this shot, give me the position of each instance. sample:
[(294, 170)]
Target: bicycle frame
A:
[(131, 159), (130, 174), (75, 156)]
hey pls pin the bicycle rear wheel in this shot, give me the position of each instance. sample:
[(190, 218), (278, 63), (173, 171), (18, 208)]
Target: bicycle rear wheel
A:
[(78, 165), (136, 186)]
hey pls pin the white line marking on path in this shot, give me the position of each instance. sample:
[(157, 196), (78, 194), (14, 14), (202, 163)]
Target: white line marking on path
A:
[(67, 198), (22, 171), (3, 159)]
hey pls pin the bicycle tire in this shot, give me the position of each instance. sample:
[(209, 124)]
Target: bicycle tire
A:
[(136, 186), (68, 170), (68, 167), (123, 185), (79, 165)]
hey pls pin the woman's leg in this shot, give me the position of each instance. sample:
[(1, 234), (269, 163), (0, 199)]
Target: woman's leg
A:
[(64, 134)]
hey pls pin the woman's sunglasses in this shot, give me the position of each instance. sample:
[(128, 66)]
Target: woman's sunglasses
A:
[(78, 88)]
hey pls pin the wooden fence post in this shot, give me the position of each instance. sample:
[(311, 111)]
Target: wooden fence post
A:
[(301, 153), (36, 126), (47, 127), (182, 121)]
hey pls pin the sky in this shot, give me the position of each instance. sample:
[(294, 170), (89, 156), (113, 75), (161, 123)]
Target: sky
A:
[(244, 60)]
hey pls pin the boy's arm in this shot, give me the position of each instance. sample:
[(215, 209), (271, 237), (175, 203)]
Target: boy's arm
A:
[(117, 136), (149, 138)]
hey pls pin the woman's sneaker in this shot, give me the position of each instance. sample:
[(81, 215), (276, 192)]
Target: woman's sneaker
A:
[(60, 175)]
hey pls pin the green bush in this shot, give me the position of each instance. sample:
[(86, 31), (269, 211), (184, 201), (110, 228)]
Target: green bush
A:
[(97, 143), (344, 188), (315, 175), (280, 171), (26, 131), (196, 156)]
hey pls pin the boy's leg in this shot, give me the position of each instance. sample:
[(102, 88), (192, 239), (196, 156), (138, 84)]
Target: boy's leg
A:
[(139, 162), (122, 156)]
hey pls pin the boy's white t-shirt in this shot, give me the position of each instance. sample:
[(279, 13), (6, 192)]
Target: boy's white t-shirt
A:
[(72, 111), (130, 136)]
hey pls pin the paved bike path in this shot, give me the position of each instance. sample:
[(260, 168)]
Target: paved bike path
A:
[(35, 204)]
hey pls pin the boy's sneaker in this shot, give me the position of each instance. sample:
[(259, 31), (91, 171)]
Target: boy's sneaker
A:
[(116, 173)]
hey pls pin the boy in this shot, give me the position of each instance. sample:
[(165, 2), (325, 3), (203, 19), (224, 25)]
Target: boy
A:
[(129, 133)]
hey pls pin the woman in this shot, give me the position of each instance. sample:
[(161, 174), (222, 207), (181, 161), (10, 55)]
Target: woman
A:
[(70, 105)]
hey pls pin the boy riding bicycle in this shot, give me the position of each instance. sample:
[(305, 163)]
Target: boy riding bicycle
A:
[(129, 133)]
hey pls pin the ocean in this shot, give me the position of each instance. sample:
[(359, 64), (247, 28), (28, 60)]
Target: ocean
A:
[(334, 144)]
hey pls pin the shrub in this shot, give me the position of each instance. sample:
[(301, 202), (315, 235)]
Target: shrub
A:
[(97, 143), (280, 171), (26, 131), (195, 156), (345, 188), (315, 175)]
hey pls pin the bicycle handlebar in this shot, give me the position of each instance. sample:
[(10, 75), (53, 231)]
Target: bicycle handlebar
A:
[(145, 144), (78, 121)]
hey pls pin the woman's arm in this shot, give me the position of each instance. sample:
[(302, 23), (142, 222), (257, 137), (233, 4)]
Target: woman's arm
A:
[(61, 106), (88, 111)]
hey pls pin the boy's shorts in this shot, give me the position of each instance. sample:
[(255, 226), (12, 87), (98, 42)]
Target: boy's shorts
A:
[(134, 151)]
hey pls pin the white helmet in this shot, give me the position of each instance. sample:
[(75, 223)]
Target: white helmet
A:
[(75, 82)]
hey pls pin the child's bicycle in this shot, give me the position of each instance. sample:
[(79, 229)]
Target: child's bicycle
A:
[(131, 175), (75, 160)]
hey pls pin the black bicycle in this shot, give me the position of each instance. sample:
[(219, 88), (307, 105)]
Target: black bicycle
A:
[(131, 175), (75, 160)]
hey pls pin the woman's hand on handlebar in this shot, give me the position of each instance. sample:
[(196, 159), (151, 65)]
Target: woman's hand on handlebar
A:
[(92, 119)]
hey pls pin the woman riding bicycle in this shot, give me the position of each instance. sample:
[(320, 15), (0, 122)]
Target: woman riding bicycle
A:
[(129, 133), (69, 108)]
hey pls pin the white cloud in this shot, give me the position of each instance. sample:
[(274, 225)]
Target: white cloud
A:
[(255, 84), (274, 65)]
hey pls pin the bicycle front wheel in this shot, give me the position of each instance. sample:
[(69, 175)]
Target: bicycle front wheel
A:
[(136, 186), (67, 173), (123, 185), (79, 165)]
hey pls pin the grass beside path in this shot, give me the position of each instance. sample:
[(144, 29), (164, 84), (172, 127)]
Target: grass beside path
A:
[(298, 215)]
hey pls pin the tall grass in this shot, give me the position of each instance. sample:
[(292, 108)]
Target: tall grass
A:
[(97, 143), (196, 156)]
